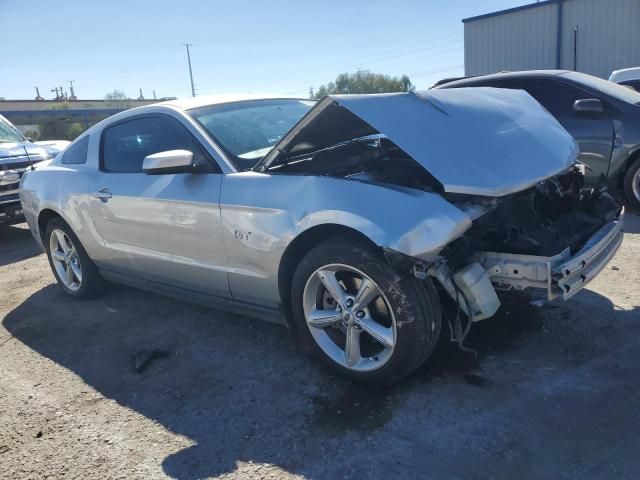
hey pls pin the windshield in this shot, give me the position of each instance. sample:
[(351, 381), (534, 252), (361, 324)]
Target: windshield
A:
[(9, 133), (608, 88), (248, 130)]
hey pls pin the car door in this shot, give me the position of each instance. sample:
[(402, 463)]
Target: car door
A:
[(164, 228), (594, 133)]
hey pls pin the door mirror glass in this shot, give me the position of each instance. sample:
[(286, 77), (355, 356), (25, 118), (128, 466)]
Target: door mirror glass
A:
[(588, 106), (170, 161)]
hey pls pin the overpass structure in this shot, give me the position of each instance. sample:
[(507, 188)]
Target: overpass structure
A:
[(86, 112)]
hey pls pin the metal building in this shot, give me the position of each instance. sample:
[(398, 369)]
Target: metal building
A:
[(591, 36)]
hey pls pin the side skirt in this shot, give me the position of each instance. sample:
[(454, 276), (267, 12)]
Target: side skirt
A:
[(274, 315)]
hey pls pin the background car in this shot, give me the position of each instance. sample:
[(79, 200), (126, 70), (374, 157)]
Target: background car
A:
[(602, 116), (629, 77), (53, 146)]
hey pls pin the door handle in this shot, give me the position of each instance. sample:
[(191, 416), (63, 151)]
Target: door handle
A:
[(103, 194)]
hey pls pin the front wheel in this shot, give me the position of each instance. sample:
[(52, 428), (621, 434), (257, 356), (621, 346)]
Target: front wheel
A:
[(74, 271), (359, 316)]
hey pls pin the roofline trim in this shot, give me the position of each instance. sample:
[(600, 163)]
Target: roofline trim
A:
[(510, 10)]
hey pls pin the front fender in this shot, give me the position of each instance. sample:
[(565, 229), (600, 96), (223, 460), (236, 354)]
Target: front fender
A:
[(262, 214)]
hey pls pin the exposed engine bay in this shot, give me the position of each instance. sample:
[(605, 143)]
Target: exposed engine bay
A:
[(544, 220), (369, 159), (549, 240)]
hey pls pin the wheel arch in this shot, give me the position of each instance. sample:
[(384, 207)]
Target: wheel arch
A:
[(44, 217), (304, 242)]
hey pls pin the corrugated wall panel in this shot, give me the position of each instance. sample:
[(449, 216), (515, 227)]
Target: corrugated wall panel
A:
[(522, 40), (608, 35)]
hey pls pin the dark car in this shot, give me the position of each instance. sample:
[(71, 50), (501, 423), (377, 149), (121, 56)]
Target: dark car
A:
[(602, 116)]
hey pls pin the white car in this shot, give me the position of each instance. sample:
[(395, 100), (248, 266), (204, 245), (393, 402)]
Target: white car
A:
[(54, 147), (629, 77)]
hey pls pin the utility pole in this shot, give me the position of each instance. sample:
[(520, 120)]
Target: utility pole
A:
[(73, 94), (193, 89)]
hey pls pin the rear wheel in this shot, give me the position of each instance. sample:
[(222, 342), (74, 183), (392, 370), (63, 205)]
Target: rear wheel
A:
[(74, 271), (632, 185), (359, 316)]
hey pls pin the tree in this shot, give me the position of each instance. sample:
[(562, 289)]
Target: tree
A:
[(74, 131), (60, 130), (364, 81), (116, 95)]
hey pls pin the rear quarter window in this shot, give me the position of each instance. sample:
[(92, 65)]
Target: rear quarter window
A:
[(76, 154)]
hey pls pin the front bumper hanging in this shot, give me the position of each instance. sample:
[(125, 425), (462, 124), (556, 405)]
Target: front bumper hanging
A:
[(562, 275)]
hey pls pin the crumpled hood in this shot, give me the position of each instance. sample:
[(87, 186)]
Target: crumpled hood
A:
[(480, 141), (16, 149)]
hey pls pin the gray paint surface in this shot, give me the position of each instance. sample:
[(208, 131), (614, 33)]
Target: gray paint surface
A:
[(608, 38)]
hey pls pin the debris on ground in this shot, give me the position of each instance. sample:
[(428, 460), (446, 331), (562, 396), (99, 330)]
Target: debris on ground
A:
[(143, 358)]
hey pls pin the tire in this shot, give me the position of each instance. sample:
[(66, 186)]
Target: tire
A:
[(406, 313), (632, 177), (90, 283)]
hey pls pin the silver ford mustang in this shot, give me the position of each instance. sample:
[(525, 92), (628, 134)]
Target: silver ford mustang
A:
[(361, 221)]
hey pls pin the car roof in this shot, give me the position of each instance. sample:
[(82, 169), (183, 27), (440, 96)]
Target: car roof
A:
[(206, 100), (503, 75)]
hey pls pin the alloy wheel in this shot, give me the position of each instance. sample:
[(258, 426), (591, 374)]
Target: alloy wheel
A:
[(349, 317), (65, 259)]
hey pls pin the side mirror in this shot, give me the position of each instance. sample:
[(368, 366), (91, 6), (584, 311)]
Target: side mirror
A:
[(588, 106), (171, 161)]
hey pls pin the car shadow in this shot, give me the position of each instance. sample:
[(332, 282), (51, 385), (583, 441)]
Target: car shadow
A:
[(16, 244), (242, 390), (632, 222)]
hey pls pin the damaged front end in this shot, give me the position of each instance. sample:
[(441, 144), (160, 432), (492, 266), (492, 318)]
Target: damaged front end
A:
[(547, 242), (529, 223)]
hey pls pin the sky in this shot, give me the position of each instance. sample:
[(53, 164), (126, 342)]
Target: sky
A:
[(239, 46)]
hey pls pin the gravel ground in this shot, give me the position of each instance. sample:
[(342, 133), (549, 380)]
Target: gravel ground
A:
[(554, 392)]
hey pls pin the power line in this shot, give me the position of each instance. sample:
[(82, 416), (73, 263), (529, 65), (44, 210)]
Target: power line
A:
[(430, 72), (350, 63), (386, 53), (291, 81)]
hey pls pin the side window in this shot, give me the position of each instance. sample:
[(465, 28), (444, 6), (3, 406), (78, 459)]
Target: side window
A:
[(76, 154), (125, 145), (556, 98), (635, 84)]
